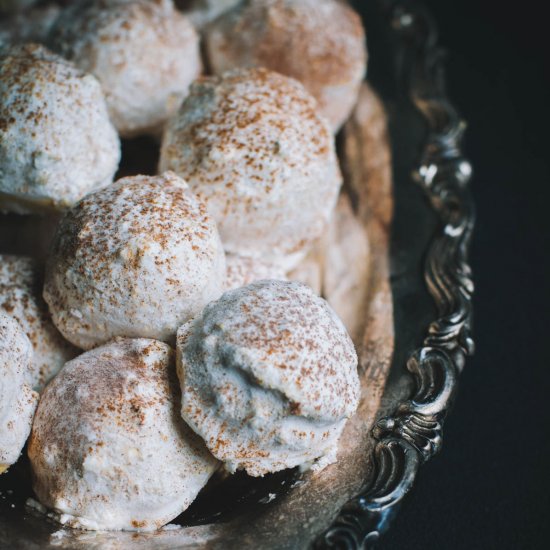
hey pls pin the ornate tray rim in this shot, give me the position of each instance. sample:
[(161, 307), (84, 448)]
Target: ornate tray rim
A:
[(412, 434)]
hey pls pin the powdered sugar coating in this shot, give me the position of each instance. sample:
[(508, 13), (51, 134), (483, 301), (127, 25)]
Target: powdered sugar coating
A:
[(269, 377), (21, 281), (144, 53), (17, 399), (243, 271), (108, 449), (56, 141), (252, 144), (321, 43), (137, 259)]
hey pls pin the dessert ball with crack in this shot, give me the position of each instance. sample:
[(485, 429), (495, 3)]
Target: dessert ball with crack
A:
[(321, 43), (56, 140), (144, 53), (252, 144), (269, 377), (21, 280), (137, 259), (108, 449), (17, 398)]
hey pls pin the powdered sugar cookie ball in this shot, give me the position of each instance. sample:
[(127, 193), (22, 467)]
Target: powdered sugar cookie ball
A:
[(137, 259), (252, 144), (321, 43), (144, 53), (21, 280), (243, 271), (56, 141), (108, 450), (17, 399), (269, 377)]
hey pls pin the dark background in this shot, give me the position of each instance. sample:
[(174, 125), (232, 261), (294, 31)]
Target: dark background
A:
[(490, 485)]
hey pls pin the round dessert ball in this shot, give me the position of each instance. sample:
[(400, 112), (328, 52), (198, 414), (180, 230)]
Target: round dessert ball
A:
[(56, 140), (108, 450), (321, 43), (137, 259), (144, 53), (242, 271), (17, 399), (21, 280), (252, 144), (269, 377)]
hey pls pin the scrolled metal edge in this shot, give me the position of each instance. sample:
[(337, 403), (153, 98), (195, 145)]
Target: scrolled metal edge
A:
[(398, 464), (413, 434)]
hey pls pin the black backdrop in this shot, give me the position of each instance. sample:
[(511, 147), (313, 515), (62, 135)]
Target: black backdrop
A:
[(490, 485)]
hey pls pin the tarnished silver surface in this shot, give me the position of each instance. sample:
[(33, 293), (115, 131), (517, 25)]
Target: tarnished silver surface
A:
[(431, 289)]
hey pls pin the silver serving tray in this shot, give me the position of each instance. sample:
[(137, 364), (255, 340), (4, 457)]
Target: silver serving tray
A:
[(353, 503)]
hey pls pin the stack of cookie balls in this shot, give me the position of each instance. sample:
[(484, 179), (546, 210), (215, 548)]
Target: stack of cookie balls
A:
[(164, 336), (321, 43)]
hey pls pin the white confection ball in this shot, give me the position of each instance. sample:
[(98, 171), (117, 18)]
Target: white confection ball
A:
[(21, 280), (56, 140), (17, 399), (108, 450), (252, 144), (137, 259), (321, 43), (144, 53), (269, 377)]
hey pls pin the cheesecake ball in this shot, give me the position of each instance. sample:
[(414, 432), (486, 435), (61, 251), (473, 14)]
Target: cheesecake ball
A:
[(252, 144), (21, 280), (269, 377), (56, 140), (144, 53), (137, 259), (108, 449), (243, 271), (321, 43), (17, 399)]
